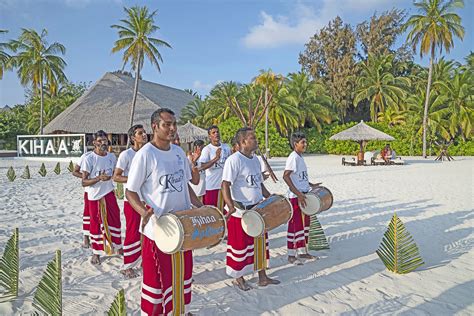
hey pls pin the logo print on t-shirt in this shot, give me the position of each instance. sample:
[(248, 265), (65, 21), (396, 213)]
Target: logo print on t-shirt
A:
[(303, 175), (253, 180), (172, 182)]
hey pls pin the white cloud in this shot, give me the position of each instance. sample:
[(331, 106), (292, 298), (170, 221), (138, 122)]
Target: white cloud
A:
[(304, 21), (198, 85)]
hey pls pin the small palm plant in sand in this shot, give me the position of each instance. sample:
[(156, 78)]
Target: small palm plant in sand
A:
[(11, 174), (57, 169), (118, 307), (317, 238), (119, 192), (42, 170), (26, 173), (48, 297), (70, 167), (10, 268), (398, 251)]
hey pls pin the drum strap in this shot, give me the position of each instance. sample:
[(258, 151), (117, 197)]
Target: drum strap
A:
[(243, 207)]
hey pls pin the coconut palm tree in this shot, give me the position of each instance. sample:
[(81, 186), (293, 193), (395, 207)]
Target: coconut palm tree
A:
[(38, 63), (135, 39), (4, 56), (219, 99), (392, 117), (196, 112), (309, 98), (433, 28), (379, 86)]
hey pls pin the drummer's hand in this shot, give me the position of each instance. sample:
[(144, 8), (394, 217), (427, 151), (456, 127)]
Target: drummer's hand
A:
[(146, 217), (301, 199), (315, 185), (229, 213)]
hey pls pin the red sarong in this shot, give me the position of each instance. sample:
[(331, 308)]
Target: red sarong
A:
[(105, 225), (132, 249), (167, 280), (86, 218), (298, 230)]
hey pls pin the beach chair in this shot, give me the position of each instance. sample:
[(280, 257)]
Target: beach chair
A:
[(352, 161), (368, 155), (396, 160), (374, 161)]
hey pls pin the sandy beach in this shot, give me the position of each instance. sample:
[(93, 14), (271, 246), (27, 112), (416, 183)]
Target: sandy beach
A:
[(433, 199)]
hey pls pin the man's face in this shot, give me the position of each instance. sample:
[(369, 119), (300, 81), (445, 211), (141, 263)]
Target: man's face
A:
[(250, 142), (166, 128), (101, 143), (300, 147), (140, 136), (214, 136)]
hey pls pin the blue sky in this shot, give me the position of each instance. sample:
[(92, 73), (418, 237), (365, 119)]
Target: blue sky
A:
[(212, 40)]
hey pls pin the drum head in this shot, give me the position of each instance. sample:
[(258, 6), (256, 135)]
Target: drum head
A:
[(313, 204), (252, 223), (168, 233)]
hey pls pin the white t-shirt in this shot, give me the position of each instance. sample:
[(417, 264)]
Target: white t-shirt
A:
[(81, 161), (124, 161), (299, 174), (162, 179), (245, 177), (214, 173), (262, 164), (94, 165), (200, 188)]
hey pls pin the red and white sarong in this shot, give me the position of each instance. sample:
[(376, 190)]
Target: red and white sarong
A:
[(167, 280), (132, 249), (86, 218), (245, 254), (298, 230), (105, 225)]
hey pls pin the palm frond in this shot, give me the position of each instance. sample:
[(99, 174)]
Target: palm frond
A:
[(317, 238), (70, 167), (118, 307), (11, 174), (26, 173), (42, 170), (48, 296), (57, 169), (10, 268), (398, 251), (119, 192)]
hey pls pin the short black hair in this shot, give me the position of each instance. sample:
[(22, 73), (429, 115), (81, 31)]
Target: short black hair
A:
[(296, 137), (156, 116), (132, 130), (210, 128), (198, 143), (242, 134), (99, 133)]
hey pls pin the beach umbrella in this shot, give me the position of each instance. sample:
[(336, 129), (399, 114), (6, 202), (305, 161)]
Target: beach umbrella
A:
[(189, 133), (361, 133)]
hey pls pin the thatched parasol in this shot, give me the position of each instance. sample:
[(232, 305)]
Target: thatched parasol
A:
[(361, 133), (189, 133)]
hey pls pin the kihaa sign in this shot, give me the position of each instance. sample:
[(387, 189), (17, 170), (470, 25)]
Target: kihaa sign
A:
[(58, 145)]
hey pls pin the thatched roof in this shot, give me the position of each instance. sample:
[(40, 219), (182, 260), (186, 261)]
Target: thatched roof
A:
[(361, 132), (189, 133), (106, 106)]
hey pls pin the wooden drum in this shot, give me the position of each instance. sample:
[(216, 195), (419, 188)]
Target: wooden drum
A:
[(267, 215), (196, 228), (318, 200)]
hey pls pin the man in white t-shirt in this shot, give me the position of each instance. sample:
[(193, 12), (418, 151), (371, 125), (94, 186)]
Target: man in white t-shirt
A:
[(132, 243), (160, 173), (212, 159), (85, 213), (243, 187), (296, 177), (97, 170), (200, 188)]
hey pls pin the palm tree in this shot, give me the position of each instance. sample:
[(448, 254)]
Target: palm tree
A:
[(196, 112), (134, 37), (379, 86), (435, 27), (4, 56), (309, 98), (38, 63), (220, 99), (392, 117), (271, 82)]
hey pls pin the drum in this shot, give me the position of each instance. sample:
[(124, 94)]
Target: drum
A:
[(267, 215), (196, 228), (318, 200)]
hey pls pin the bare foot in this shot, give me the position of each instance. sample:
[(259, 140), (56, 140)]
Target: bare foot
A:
[(294, 260), (129, 273), (266, 281), (240, 283), (86, 243), (95, 259), (307, 256)]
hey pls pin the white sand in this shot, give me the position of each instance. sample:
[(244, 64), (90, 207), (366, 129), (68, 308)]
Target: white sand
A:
[(433, 199)]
